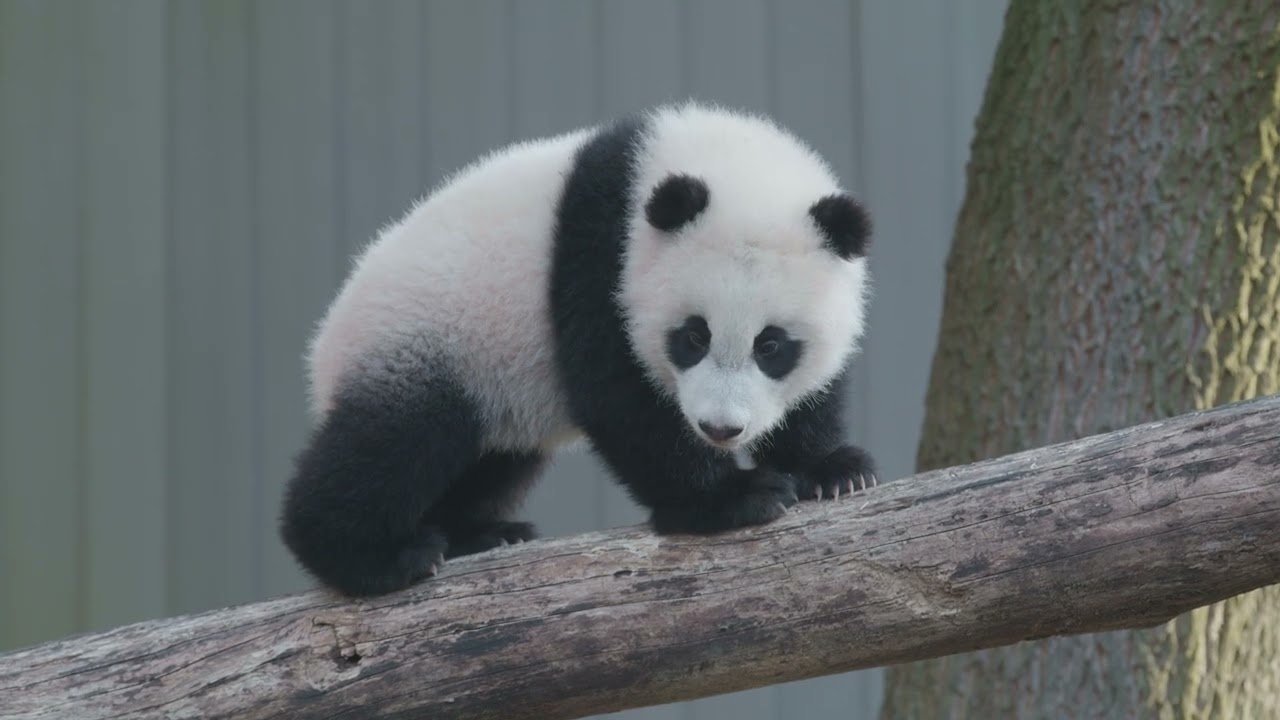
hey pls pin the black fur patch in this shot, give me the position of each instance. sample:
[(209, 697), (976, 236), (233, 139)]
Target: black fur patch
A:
[(776, 352), (811, 445), (393, 481), (676, 202), (844, 224), (475, 510), (689, 343)]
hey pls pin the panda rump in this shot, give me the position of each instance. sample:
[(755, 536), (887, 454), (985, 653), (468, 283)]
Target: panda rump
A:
[(684, 288)]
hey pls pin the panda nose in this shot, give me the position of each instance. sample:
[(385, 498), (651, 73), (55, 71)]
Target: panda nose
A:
[(719, 433)]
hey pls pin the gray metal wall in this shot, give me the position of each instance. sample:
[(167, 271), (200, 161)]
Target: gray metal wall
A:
[(182, 185)]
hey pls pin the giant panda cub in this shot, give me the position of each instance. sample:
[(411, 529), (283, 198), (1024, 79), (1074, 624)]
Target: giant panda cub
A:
[(683, 287)]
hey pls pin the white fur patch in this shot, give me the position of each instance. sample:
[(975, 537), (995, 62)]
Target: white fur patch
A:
[(463, 278)]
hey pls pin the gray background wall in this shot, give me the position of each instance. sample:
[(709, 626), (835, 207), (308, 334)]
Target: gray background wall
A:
[(182, 185)]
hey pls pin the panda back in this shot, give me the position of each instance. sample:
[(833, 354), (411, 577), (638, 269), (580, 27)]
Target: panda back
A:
[(458, 288)]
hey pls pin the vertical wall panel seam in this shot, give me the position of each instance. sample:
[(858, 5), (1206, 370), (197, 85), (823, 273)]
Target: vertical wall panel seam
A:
[(771, 54), (772, 92), (7, 630), (426, 129), (951, 101), (600, 496), (857, 99), (166, 263), (771, 44), (597, 69), (858, 161), (337, 73), (685, 41), (253, 32), (508, 42), (79, 59), (597, 51), (167, 312)]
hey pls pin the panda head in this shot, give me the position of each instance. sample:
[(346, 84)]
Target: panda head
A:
[(744, 293)]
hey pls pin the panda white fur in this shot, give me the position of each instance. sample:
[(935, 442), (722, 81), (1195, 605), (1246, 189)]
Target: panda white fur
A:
[(685, 287)]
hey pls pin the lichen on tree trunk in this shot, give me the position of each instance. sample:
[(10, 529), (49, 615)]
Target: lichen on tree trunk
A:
[(1116, 260)]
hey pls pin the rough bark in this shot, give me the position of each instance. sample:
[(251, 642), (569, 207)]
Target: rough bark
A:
[(1126, 529), (1116, 260)]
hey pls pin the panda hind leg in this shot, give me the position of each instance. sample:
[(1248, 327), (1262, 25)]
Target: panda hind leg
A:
[(475, 514), (357, 513)]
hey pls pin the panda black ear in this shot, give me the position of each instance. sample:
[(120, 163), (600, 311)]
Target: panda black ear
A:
[(676, 201), (845, 225)]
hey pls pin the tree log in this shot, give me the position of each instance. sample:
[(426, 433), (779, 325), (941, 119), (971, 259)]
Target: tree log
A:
[(1121, 530)]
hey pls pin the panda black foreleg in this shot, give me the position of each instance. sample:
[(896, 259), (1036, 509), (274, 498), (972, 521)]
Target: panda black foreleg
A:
[(475, 513), (355, 512), (810, 445), (687, 486), (737, 498)]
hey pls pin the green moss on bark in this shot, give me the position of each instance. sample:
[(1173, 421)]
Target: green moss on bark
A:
[(1116, 260)]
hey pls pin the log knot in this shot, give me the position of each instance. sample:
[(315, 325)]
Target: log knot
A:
[(337, 643)]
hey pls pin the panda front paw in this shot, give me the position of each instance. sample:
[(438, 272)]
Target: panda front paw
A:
[(763, 496), (422, 558), (845, 470), (486, 536), (753, 497)]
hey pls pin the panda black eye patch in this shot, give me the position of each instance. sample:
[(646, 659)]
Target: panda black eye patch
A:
[(688, 343), (776, 353)]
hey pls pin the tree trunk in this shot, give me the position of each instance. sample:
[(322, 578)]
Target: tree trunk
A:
[(1116, 260)]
